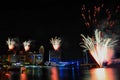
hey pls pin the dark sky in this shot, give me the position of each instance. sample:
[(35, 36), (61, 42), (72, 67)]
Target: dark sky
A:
[(48, 20)]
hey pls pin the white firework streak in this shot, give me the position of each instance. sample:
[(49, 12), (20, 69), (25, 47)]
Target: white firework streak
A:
[(10, 42), (26, 43), (56, 43), (98, 46)]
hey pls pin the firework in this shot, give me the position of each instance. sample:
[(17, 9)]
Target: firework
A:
[(98, 47), (11, 43), (99, 16), (56, 43), (27, 45)]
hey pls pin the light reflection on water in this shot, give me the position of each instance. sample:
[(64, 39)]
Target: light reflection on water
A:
[(64, 73), (102, 74), (43, 73)]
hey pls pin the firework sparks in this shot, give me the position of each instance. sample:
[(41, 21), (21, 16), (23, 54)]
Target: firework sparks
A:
[(98, 47), (27, 45), (56, 43), (11, 43), (93, 17)]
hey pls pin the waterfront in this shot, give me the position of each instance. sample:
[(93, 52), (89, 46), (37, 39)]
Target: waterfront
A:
[(62, 73), (43, 73)]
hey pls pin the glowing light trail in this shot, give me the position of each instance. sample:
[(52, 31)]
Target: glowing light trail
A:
[(11, 43), (56, 43), (98, 46), (27, 45)]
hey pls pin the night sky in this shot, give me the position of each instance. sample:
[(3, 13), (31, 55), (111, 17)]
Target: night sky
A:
[(50, 19)]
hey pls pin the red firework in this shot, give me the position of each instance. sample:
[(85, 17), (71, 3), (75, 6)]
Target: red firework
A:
[(95, 16)]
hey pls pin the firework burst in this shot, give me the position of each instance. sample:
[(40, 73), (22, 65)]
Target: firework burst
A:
[(95, 16), (56, 43), (98, 46), (11, 43), (27, 45)]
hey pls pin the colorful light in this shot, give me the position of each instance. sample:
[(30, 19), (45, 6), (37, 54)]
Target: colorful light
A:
[(99, 47), (56, 43), (54, 75), (11, 43), (27, 45), (103, 74), (23, 75), (100, 15)]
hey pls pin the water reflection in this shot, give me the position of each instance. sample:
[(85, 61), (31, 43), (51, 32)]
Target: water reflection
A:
[(54, 74), (10, 75), (102, 74), (43, 73), (23, 76), (61, 73)]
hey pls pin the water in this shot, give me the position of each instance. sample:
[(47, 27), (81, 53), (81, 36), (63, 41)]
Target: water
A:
[(101, 74), (61, 73)]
